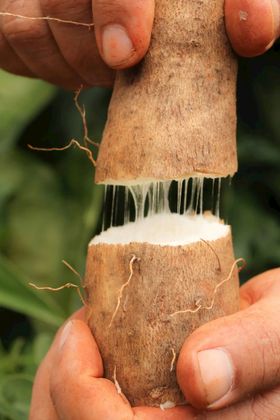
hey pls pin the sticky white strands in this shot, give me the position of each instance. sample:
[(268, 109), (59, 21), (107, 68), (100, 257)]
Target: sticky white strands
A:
[(139, 194), (198, 195), (117, 194), (126, 284), (113, 204), (155, 189), (157, 197), (160, 197), (166, 188), (190, 209), (199, 305), (104, 208), (151, 200), (213, 195), (218, 202), (48, 18), (126, 205), (185, 195), (179, 196), (201, 185)]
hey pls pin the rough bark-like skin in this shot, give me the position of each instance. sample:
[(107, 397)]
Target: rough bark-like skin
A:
[(165, 279), (174, 115)]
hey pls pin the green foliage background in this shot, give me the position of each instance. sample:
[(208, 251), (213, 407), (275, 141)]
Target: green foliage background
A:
[(50, 207)]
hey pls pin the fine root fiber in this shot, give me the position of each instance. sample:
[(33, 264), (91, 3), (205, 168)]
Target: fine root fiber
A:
[(199, 305), (125, 285)]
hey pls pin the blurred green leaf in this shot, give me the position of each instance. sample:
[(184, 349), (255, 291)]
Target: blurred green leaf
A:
[(21, 99), (41, 345), (16, 294), (15, 394)]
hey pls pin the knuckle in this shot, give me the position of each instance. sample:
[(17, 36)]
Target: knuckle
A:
[(24, 31)]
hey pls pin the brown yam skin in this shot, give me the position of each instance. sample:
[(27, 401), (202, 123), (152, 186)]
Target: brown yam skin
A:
[(174, 115), (166, 279)]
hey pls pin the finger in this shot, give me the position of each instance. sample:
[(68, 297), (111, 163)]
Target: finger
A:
[(229, 358), (252, 26), (9, 61), (177, 413), (262, 406), (76, 382), (123, 30), (41, 404), (33, 43), (77, 386), (77, 43)]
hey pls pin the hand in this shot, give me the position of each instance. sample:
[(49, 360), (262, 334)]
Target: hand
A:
[(69, 383), (241, 371), (235, 361), (69, 56)]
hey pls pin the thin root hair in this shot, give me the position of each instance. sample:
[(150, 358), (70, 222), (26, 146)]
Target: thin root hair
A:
[(72, 142), (48, 18), (199, 305), (173, 360), (58, 289), (126, 284)]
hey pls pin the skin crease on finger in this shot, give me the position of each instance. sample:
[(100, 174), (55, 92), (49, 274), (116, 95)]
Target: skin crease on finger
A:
[(85, 61), (32, 42)]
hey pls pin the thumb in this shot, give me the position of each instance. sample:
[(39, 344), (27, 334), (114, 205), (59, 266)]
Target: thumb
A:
[(77, 389), (123, 30), (229, 358)]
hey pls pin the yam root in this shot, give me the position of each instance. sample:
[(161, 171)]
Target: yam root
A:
[(140, 338)]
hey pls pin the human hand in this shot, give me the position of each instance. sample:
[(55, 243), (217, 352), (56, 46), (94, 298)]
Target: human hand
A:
[(239, 355), (70, 55), (69, 383)]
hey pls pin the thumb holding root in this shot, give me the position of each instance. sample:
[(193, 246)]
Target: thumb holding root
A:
[(230, 359)]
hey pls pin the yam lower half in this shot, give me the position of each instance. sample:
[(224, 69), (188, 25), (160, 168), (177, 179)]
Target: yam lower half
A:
[(146, 297)]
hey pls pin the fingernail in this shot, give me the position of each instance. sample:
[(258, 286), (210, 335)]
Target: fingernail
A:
[(216, 373), (116, 45), (65, 333)]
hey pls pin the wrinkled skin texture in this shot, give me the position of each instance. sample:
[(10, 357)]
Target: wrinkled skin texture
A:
[(69, 383), (71, 56)]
